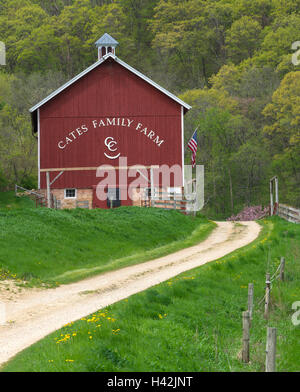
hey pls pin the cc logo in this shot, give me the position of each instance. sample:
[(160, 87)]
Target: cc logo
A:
[(110, 143)]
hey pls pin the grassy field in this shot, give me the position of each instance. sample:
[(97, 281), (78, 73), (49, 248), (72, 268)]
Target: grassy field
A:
[(61, 246), (190, 323), (9, 201)]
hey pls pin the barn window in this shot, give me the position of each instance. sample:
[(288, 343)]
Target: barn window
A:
[(70, 193), (113, 197)]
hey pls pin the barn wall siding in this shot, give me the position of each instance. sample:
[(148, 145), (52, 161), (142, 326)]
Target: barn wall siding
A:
[(108, 90)]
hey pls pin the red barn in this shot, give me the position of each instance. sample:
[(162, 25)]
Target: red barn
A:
[(110, 114)]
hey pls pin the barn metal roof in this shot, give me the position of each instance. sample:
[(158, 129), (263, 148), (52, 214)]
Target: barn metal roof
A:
[(89, 69), (106, 39)]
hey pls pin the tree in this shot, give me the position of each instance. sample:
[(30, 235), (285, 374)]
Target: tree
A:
[(275, 47), (191, 35), (18, 148), (219, 134), (138, 13), (17, 22), (243, 39), (283, 134), (260, 10)]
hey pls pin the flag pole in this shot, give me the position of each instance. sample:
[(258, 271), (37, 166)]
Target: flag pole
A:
[(186, 147), (192, 149)]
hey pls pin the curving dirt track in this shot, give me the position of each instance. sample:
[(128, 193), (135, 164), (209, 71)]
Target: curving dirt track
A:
[(32, 314)]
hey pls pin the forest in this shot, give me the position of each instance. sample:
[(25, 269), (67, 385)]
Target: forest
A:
[(236, 62)]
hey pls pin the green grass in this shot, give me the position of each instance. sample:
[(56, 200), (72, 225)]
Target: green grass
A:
[(190, 323), (9, 201), (62, 246)]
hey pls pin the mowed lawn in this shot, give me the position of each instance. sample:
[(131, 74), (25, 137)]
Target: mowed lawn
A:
[(192, 322), (61, 246)]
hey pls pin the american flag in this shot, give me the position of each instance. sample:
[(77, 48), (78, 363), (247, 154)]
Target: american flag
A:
[(193, 146)]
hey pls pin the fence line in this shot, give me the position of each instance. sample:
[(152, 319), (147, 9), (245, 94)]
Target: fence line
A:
[(171, 201), (39, 199), (288, 213)]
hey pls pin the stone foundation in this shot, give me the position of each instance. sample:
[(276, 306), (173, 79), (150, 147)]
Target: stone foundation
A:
[(84, 198)]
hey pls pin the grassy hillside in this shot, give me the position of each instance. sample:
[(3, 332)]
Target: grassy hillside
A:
[(43, 245), (190, 323), (10, 201)]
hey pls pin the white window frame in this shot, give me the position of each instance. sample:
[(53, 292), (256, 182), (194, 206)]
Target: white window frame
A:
[(70, 197)]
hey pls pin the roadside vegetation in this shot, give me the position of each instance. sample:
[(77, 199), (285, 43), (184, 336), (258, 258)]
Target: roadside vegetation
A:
[(42, 246), (192, 322)]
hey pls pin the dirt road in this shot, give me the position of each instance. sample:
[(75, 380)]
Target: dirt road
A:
[(32, 314)]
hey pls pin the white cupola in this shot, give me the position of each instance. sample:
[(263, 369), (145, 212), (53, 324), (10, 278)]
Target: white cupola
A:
[(106, 44)]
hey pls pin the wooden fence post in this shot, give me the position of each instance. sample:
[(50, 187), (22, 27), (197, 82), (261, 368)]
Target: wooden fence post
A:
[(267, 297), (250, 299), (276, 195), (271, 198), (152, 203), (271, 350), (246, 337), (282, 265)]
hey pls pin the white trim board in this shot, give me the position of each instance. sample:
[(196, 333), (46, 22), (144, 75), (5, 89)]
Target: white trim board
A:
[(182, 142), (39, 149)]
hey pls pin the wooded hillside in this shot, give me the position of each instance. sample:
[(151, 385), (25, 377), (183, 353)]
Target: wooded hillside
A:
[(230, 59)]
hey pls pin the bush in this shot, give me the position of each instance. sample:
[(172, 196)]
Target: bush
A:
[(29, 182)]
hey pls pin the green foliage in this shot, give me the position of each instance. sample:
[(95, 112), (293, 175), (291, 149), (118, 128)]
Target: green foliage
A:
[(283, 137), (243, 39), (18, 148), (191, 35), (9, 201)]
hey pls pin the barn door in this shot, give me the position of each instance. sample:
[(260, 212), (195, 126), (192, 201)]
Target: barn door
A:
[(113, 197)]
